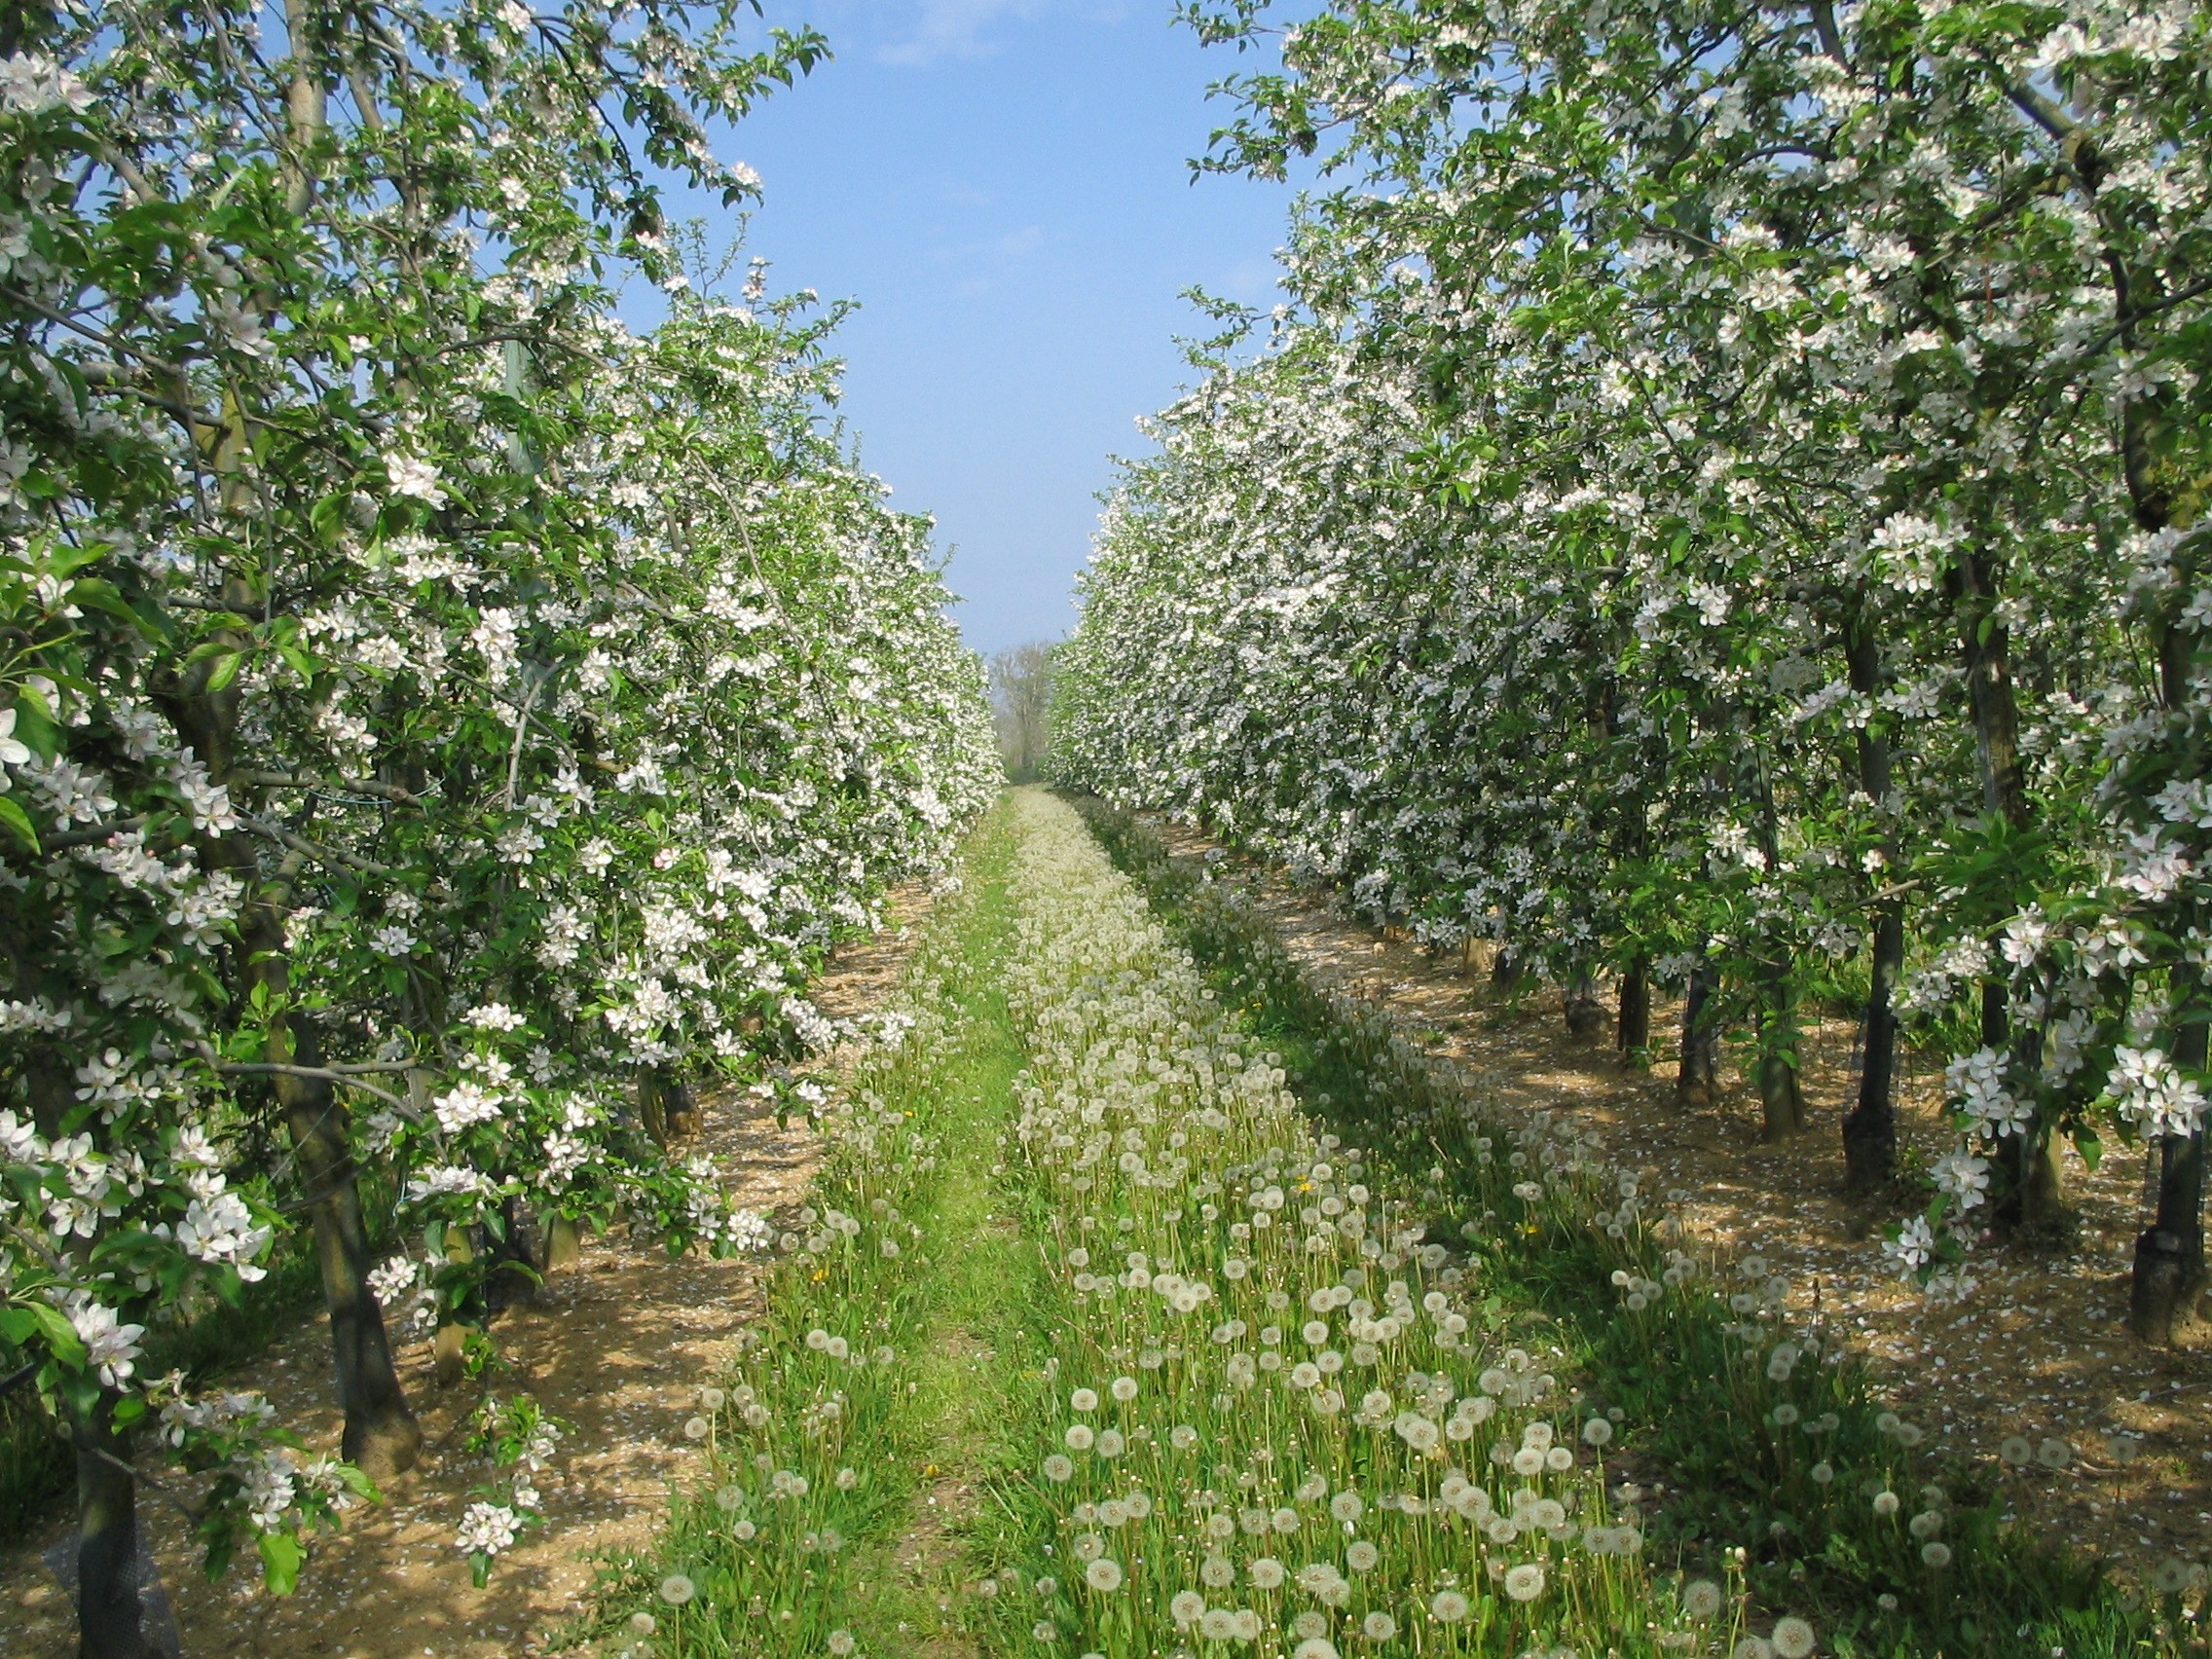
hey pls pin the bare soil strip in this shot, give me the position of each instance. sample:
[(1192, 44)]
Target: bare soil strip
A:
[(617, 1347), (2042, 1348)]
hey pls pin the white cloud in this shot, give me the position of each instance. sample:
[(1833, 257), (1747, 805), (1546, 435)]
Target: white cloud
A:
[(955, 28)]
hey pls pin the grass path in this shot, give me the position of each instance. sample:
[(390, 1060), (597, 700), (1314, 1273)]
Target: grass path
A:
[(847, 1509)]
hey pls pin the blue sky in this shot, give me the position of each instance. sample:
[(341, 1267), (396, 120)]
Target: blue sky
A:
[(1002, 185)]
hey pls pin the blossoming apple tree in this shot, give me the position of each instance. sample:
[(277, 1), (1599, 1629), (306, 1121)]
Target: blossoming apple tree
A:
[(1723, 502), (435, 721)]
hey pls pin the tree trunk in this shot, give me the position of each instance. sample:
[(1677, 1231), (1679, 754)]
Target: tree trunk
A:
[(2037, 1192), (108, 1611), (1505, 970), (1870, 1127), (1782, 1097), (1697, 1080), (1633, 1032), (2169, 1273), (683, 1104), (1584, 1012), (2027, 1191), (1781, 1093), (667, 1105), (1985, 652), (380, 1433), (519, 1261)]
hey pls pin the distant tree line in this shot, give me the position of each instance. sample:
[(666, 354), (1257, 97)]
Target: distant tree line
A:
[(1022, 694)]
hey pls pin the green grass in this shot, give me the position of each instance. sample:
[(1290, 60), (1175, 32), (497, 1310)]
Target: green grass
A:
[(954, 1310), (1691, 1379)]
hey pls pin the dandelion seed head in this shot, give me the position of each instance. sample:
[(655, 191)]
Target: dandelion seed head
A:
[(1702, 1600), (1525, 1582)]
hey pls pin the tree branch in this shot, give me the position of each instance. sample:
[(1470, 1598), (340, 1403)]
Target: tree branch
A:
[(346, 786), (1823, 25), (97, 836), (313, 849), (347, 1075), (98, 337)]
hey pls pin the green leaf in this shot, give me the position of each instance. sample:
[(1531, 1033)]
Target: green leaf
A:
[(96, 594), (34, 724), (28, 1320), (20, 821), (222, 1545), (280, 1558)]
